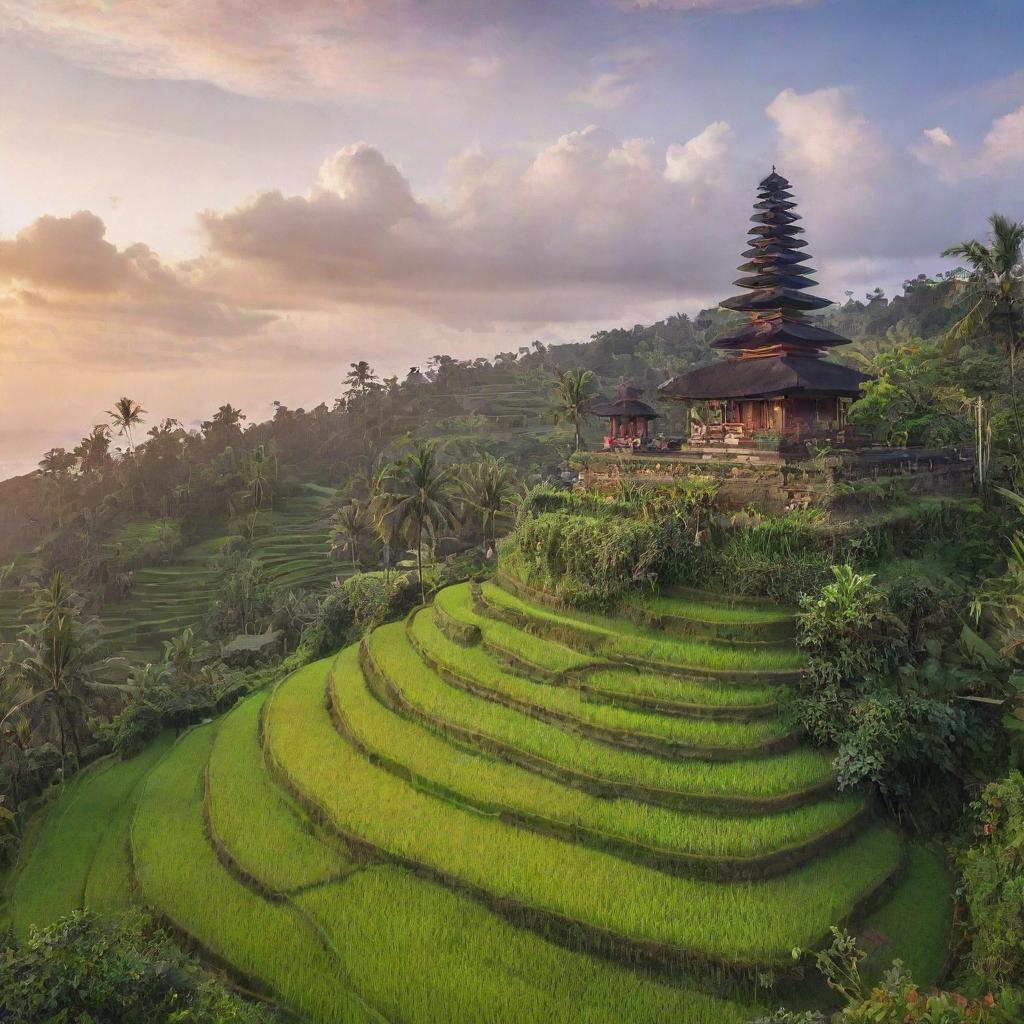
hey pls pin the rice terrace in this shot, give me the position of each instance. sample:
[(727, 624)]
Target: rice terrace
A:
[(669, 673)]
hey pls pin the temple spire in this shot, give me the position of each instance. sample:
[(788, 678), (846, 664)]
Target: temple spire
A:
[(776, 280)]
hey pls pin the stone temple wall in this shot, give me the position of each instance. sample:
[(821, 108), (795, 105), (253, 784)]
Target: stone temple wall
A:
[(772, 482)]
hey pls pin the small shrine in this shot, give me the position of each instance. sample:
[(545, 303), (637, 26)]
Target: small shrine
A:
[(629, 418), (774, 387)]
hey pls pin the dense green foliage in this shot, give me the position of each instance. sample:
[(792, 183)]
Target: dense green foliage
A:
[(81, 971), (591, 552), (892, 725), (993, 886)]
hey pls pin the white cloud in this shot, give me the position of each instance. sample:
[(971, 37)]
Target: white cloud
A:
[(702, 157), (1001, 152), (606, 91), (939, 136), (590, 219)]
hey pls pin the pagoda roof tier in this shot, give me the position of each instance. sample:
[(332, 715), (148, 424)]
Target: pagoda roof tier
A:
[(790, 261), (756, 334), (777, 232), (777, 277), (774, 203), (763, 299), (775, 247), (772, 377), (774, 180), (776, 217)]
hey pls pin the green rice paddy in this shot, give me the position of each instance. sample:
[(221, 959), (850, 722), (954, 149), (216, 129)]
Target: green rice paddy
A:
[(621, 639), (479, 668), (418, 833)]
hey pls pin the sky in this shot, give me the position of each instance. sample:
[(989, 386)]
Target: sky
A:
[(204, 201)]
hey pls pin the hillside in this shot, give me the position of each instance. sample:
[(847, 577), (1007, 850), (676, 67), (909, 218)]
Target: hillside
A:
[(502, 811)]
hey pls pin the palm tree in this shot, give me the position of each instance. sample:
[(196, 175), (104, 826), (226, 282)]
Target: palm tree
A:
[(995, 280), (56, 466), (260, 470), (360, 380), (126, 414), (488, 487), (416, 497), (348, 526), (93, 450), (572, 393), (62, 666)]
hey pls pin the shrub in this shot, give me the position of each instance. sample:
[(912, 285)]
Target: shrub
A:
[(245, 600), (590, 549), (354, 606), (848, 630), (893, 1000), (890, 720), (79, 969), (993, 885)]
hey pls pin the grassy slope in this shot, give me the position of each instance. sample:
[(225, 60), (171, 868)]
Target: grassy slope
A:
[(622, 638), (764, 777), (179, 873), (491, 785), (758, 920), (80, 856), (411, 948), (914, 925), (477, 665), (260, 827)]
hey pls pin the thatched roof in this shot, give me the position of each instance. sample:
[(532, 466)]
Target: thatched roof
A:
[(769, 377)]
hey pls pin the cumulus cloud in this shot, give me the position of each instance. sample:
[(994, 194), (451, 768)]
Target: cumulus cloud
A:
[(1001, 151), (61, 275), (589, 219), (300, 49), (702, 158)]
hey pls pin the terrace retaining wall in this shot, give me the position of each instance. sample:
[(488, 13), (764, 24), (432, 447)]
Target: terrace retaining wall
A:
[(773, 482)]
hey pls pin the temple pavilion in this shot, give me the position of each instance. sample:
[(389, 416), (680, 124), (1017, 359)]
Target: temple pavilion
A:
[(774, 384), (629, 418)]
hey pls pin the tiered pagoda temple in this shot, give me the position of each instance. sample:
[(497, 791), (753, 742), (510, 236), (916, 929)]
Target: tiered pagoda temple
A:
[(774, 383)]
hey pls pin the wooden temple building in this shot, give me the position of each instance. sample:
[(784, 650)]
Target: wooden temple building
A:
[(768, 423), (774, 387), (629, 418)]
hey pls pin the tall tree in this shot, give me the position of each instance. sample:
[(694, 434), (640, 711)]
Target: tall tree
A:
[(572, 392), (488, 487), (360, 380), (348, 527), (127, 413), (93, 450), (260, 472), (62, 666), (56, 466), (995, 278), (417, 497)]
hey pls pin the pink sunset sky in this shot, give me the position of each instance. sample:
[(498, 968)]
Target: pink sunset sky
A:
[(205, 201)]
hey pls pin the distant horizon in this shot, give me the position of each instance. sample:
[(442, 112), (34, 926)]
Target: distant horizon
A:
[(199, 210)]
